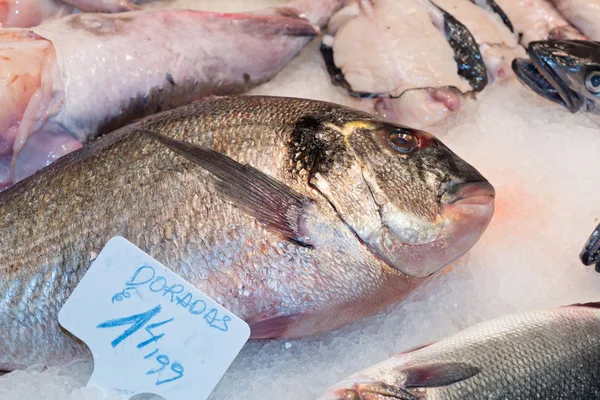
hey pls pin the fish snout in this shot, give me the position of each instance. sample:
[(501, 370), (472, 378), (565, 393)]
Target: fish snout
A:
[(468, 193), (467, 209)]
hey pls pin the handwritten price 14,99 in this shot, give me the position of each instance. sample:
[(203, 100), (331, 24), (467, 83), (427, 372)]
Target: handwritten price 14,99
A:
[(137, 322)]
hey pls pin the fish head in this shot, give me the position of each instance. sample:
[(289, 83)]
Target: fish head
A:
[(566, 72), (407, 196)]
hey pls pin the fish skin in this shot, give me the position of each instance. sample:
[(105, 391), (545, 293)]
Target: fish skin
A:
[(491, 29), (104, 6), (317, 12), (538, 20), (563, 71), (127, 183), (91, 82), (27, 13), (582, 14), (549, 354), (398, 78)]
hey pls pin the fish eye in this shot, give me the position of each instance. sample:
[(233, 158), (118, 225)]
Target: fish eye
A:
[(592, 82), (402, 141)]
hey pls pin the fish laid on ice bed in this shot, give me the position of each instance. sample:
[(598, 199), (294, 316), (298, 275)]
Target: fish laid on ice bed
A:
[(298, 216), (418, 58), (550, 354), (538, 20), (28, 13), (566, 72), (583, 14), (69, 80), (540, 158)]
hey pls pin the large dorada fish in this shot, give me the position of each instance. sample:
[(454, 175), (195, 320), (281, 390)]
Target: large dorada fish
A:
[(66, 81), (550, 354), (298, 216)]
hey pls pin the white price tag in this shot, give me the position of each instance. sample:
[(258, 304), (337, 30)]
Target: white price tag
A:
[(149, 330)]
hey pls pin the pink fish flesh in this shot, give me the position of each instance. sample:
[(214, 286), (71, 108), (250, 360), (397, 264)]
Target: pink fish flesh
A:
[(69, 80)]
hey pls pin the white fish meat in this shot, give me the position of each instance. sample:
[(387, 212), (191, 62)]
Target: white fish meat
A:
[(417, 57), (497, 43), (26, 13), (538, 20), (583, 14), (66, 81)]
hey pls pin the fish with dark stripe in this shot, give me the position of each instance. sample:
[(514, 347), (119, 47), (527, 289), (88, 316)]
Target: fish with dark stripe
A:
[(298, 216)]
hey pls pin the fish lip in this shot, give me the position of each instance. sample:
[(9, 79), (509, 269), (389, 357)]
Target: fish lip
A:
[(539, 75), (590, 253), (481, 192)]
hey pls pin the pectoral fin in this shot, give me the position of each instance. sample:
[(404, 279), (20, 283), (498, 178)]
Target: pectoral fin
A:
[(438, 374), (278, 206)]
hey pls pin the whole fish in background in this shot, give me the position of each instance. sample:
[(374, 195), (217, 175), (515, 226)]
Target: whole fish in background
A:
[(66, 81), (298, 216), (550, 354), (566, 72), (418, 56), (583, 14), (538, 20), (105, 6), (26, 13)]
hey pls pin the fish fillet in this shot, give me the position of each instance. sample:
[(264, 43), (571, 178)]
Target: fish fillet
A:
[(68, 80)]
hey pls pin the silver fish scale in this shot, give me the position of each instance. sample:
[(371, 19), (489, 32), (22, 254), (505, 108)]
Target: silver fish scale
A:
[(534, 355), (53, 225)]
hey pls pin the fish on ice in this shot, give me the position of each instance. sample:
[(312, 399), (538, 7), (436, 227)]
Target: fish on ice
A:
[(548, 354), (27, 13), (69, 80), (298, 216), (419, 57), (536, 20), (582, 14), (565, 72)]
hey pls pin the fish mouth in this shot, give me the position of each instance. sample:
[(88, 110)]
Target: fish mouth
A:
[(466, 211), (590, 254), (469, 193), (539, 74)]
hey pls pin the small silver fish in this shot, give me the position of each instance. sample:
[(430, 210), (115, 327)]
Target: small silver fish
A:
[(550, 354)]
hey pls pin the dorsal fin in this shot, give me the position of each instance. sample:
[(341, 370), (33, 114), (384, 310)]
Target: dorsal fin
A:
[(593, 304)]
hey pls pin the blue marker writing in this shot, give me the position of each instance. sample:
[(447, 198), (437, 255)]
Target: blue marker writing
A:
[(136, 321)]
